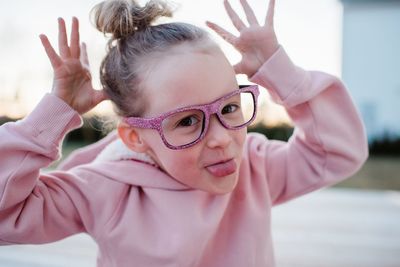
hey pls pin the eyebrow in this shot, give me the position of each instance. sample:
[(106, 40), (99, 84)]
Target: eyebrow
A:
[(203, 104), (241, 86)]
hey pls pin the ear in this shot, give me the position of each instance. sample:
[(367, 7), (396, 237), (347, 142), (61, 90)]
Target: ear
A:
[(131, 138)]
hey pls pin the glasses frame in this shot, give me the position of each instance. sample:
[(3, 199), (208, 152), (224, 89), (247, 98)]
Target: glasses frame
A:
[(207, 109)]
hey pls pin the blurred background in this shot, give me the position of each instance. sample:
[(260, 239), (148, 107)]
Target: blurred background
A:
[(356, 40)]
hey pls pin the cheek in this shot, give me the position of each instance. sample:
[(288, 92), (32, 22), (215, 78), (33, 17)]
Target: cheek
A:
[(180, 164), (243, 134), (240, 138)]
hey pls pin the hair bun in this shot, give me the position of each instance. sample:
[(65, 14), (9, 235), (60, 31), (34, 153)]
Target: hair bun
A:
[(122, 18)]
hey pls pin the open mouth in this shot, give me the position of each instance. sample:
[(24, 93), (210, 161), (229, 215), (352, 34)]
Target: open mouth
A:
[(222, 168)]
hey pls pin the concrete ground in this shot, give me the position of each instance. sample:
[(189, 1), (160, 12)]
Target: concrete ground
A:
[(328, 228)]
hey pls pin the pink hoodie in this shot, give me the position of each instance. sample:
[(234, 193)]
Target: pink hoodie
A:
[(140, 216)]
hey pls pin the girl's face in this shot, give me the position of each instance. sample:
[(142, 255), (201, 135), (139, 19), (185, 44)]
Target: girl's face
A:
[(191, 76)]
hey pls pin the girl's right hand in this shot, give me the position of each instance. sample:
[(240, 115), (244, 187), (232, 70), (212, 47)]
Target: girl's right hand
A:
[(72, 80)]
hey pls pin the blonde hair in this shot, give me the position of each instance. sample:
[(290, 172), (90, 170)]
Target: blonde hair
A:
[(135, 37)]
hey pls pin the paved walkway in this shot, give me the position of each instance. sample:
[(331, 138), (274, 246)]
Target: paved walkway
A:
[(337, 227), (329, 228)]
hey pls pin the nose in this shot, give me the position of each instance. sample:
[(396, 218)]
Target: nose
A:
[(217, 135)]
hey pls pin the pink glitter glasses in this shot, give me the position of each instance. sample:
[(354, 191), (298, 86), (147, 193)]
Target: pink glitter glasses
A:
[(185, 127)]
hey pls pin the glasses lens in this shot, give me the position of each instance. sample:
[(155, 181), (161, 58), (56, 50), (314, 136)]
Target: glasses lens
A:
[(184, 127), (238, 110)]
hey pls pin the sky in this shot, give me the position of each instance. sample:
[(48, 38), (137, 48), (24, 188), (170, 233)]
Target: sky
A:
[(310, 32)]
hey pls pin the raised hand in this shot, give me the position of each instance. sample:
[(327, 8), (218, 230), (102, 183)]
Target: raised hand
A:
[(72, 80), (256, 43)]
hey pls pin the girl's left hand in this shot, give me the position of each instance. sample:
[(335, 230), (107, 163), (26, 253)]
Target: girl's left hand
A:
[(255, 43)]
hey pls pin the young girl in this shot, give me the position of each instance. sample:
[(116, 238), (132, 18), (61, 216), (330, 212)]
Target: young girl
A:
[(181, 183)]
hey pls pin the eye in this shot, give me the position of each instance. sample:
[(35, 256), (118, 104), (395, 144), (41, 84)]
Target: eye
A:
[(230, 108), (188, 121)]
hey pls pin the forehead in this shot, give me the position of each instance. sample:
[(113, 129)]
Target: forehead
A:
[(187, 76)]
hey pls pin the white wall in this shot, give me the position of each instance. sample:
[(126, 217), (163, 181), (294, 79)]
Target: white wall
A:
[(371, 62)]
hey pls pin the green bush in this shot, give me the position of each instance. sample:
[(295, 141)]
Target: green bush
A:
[(281, 132), (4, 119), (93, 130), (385, 147)]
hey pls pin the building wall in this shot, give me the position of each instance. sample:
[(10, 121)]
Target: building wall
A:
[(371, 63)]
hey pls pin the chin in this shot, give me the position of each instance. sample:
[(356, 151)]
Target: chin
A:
[(228, 185)]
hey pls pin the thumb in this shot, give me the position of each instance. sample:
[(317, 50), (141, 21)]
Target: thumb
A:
[(99, 96), (238, 68), (241, 68)]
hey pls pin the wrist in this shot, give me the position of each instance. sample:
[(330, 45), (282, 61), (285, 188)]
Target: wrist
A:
[(61, 97), (51, 119), (262, 57), (268, 51)]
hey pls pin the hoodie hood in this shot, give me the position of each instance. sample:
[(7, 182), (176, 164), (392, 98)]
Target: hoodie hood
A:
[(117, 162), (117, 150)]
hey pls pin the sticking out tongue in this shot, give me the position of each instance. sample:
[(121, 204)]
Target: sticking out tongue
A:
[(222, 169)]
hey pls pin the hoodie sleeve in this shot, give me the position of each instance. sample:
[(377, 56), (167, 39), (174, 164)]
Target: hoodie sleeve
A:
[(37, 207), (329, 141)]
